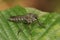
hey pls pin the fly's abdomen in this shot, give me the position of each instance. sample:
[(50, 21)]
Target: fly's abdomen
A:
[(15, 18)]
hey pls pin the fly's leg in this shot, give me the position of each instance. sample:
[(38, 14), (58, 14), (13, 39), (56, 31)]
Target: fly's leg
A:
[(41, 24), (19, 31)]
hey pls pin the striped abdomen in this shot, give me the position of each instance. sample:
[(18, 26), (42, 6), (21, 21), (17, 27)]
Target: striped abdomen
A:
[(16, 18)]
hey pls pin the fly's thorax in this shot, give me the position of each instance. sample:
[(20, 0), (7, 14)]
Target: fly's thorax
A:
[(29, 18), (33, 17)]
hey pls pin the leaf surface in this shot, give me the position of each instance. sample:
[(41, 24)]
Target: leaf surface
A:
[(9, 30)]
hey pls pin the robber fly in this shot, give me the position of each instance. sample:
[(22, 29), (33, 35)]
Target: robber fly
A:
[(28, 18)]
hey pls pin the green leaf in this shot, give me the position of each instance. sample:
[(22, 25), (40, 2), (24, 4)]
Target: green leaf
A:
[(9, 30)]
